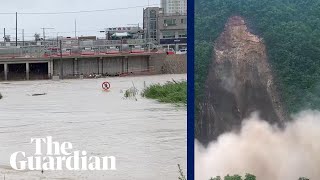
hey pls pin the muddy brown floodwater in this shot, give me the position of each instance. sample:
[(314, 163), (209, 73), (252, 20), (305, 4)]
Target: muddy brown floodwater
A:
[(147, 138)]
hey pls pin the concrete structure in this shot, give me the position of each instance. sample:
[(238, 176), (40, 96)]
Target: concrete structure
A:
[(82, 67), (167, 30), (136, 31), (172, 31), (19, 69), (174, 6), (74, 67), (150, 23)]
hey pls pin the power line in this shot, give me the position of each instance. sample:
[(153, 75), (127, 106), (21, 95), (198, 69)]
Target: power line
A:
[(44, 32), (77, 12), (55, 32)]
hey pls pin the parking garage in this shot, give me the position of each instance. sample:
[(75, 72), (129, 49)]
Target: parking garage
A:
[(38, 71), (2, 72), (17, 71)]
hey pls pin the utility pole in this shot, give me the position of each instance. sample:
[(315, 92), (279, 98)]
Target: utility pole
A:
[(23, 37), (16, 29), (61, 63), (4, 34), (57, 39), (75, 28), (44, 32), (148, 19)]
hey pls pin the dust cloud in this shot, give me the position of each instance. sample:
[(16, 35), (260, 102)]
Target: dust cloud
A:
[(264, 150)]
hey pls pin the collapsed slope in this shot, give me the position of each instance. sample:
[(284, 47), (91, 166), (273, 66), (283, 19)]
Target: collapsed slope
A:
[(239, 82)]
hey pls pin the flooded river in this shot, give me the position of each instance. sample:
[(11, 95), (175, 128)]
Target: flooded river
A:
[(147, 138)]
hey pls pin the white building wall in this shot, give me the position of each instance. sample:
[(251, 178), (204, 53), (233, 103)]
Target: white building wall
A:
[(174, 6)]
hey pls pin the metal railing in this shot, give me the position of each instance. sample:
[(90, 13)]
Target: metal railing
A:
[(51, 48)]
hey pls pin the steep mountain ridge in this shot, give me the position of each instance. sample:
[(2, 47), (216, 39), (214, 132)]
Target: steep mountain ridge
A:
[(239, 82)]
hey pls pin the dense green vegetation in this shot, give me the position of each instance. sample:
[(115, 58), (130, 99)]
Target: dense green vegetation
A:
[(171, 92), (291, 31)]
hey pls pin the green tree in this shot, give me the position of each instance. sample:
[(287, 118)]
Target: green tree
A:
[(250, 177), (234, 177), (216, 178)]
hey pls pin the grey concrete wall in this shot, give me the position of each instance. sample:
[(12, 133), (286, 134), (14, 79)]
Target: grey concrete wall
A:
[(175, 64), (88, 66), (137, 64), (178, 26), (106, 65), (113, 66), (67, 67), (169, 64), (156, 62)]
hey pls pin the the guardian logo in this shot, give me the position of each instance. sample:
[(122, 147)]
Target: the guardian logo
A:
[(59, 157)]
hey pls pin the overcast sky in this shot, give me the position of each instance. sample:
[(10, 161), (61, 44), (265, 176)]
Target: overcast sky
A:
[(87, 23)]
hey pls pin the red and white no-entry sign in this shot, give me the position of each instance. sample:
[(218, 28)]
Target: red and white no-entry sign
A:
[(106, 85)]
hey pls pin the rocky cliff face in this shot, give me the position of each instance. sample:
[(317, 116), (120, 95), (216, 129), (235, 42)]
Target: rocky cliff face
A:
[(239, 82)]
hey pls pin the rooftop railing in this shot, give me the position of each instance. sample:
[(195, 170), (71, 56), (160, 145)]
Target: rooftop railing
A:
[(51, 48)]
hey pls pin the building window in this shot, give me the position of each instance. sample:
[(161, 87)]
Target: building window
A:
[(153, 35), (153, 14), (168, 34), (153, 25), (182, 34), (170, 22)]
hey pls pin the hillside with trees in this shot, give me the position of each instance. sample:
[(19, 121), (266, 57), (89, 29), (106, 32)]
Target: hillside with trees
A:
[(291, 32)]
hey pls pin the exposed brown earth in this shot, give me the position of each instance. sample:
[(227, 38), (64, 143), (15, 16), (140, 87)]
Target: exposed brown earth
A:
[(239, 82)]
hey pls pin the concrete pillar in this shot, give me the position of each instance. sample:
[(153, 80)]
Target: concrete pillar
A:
[(5, 71), (122, 61), (98, 65), (127, 59), (75, 66), (61, 68), (102, 66), (176, 48), (49, 70), (148, 63), (27, 71)]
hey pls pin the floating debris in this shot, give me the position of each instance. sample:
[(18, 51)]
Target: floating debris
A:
[(39, 94)]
